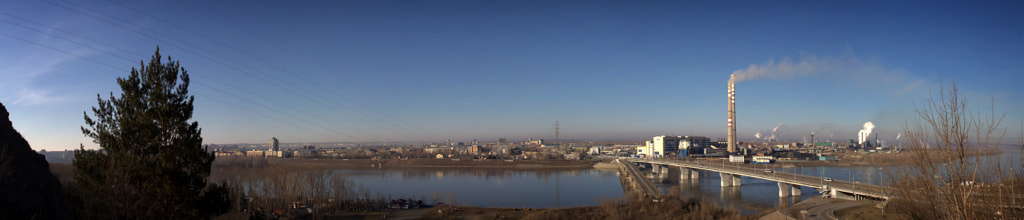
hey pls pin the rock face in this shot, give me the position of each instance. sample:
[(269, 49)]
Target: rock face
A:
[(27, 188)]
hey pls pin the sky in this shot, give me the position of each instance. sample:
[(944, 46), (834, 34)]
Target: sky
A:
[(429, 71)]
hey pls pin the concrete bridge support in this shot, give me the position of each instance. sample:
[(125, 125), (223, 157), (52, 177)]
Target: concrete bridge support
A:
[(735, 180), (663, 173), (726, 179), (684, 173), (796, 191), (694, 175), (784, 189)]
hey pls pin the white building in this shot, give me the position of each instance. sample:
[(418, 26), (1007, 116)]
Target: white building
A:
[(736, 158), (673, 146), (645, 151)]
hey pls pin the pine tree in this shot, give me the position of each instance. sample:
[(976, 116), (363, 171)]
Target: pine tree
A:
[(151, 163)]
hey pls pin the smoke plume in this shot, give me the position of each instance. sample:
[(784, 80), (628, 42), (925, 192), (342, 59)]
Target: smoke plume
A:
[(774, 130), (786, 68), (757, 135), (864, 133)]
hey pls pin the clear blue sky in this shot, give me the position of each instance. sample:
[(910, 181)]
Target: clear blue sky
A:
[(434, 70)]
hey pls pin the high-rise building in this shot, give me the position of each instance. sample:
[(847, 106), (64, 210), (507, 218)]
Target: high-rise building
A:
[(273, 144)]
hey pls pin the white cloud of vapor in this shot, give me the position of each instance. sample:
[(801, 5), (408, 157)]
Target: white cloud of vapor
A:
[(838, 66)]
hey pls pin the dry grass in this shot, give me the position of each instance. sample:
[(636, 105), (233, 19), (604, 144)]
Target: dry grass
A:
[(870, 212), (671, 207)]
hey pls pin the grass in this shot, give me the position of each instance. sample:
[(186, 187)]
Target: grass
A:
[(870, 212)]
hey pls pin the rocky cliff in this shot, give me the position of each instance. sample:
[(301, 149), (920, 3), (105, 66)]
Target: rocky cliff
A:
[(27, 188)]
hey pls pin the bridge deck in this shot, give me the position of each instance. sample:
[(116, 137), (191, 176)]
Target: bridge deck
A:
[(635, 176), (862, 189)]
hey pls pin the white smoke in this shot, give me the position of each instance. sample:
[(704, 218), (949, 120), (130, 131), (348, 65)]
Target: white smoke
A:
[(898, 137), (864, 133), (848, 66), (773, 137), (787, 68), (757, 135)]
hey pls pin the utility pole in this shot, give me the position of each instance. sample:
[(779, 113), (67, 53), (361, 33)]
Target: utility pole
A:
[(557, 140)]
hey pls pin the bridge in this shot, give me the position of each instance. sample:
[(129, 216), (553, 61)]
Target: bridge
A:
[(633, 181), (789, 183)]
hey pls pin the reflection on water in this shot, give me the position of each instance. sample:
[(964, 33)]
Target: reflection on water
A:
[(586, 187), (493, 187)]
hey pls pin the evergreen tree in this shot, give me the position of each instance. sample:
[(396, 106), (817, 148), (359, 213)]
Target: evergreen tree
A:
[(151, 164)]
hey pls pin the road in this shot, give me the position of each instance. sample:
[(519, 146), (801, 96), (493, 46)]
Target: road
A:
[(645, 186), (828, 211)]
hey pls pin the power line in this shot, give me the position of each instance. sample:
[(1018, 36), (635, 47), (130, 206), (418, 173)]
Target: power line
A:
[(276, 67), (101, 50), (202, 55), (65, 32), (120, 68)]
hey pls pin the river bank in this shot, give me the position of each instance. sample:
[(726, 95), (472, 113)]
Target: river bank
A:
[(669, 207), (409, 163)]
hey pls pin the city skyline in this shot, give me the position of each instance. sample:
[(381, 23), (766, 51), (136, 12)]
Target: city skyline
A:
[(429, 72)]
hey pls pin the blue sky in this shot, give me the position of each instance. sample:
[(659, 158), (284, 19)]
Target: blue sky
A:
[(435, 70)]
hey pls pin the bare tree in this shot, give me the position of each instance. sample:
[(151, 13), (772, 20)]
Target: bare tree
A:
[(948, 177)]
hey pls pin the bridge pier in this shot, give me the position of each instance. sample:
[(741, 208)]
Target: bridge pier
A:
[(726, 179), (784, 189), (735, 180), (684, 173), (694, 175), (796, 191)]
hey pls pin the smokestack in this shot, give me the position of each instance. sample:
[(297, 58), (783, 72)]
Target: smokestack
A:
[(812, 139), (731, 133)]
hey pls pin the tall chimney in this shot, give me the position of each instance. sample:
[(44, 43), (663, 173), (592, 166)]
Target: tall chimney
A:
[(732, 117)]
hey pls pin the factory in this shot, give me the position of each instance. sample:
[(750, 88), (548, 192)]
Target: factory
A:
[(674, 146)]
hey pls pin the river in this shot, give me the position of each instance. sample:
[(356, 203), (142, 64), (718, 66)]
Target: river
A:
[(493, 187), (588, 187)]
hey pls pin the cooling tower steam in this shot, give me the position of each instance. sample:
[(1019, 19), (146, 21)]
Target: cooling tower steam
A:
[(864, 133)]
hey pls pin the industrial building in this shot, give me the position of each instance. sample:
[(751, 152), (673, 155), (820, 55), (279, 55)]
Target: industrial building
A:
[(673, 146)]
